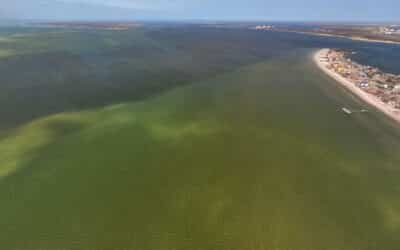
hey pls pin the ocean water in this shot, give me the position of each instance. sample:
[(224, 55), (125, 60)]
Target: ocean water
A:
[(249, 151)]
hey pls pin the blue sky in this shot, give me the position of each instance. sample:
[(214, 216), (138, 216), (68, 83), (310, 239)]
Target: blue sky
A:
[(278, 10)]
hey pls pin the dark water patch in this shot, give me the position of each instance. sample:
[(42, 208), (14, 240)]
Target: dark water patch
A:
[(58, 71), (384, 57), (134, 65)]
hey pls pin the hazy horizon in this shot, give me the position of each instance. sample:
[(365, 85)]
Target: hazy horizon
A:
[(367, 11)]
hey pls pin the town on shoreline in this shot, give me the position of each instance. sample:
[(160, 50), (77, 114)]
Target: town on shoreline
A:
[(376, 87), (377, 33)]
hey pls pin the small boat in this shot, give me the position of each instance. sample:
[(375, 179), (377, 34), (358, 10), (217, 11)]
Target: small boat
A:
[(347, 111)]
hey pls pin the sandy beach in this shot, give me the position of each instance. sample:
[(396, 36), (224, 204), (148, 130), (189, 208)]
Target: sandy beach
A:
[(354, 38), (362, 39), (368, 98)]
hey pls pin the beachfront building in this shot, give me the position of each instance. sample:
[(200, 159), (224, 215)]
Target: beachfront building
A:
[(385, 86)]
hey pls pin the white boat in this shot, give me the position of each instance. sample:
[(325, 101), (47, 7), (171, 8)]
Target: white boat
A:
[(347, 111)]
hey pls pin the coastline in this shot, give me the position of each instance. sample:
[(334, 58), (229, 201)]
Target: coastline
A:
[(366, 97), (362, 39), (353, 38)]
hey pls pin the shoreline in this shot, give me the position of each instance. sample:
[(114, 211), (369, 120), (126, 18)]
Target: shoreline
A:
[(349, 85), (362, 39), (352, 38)]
